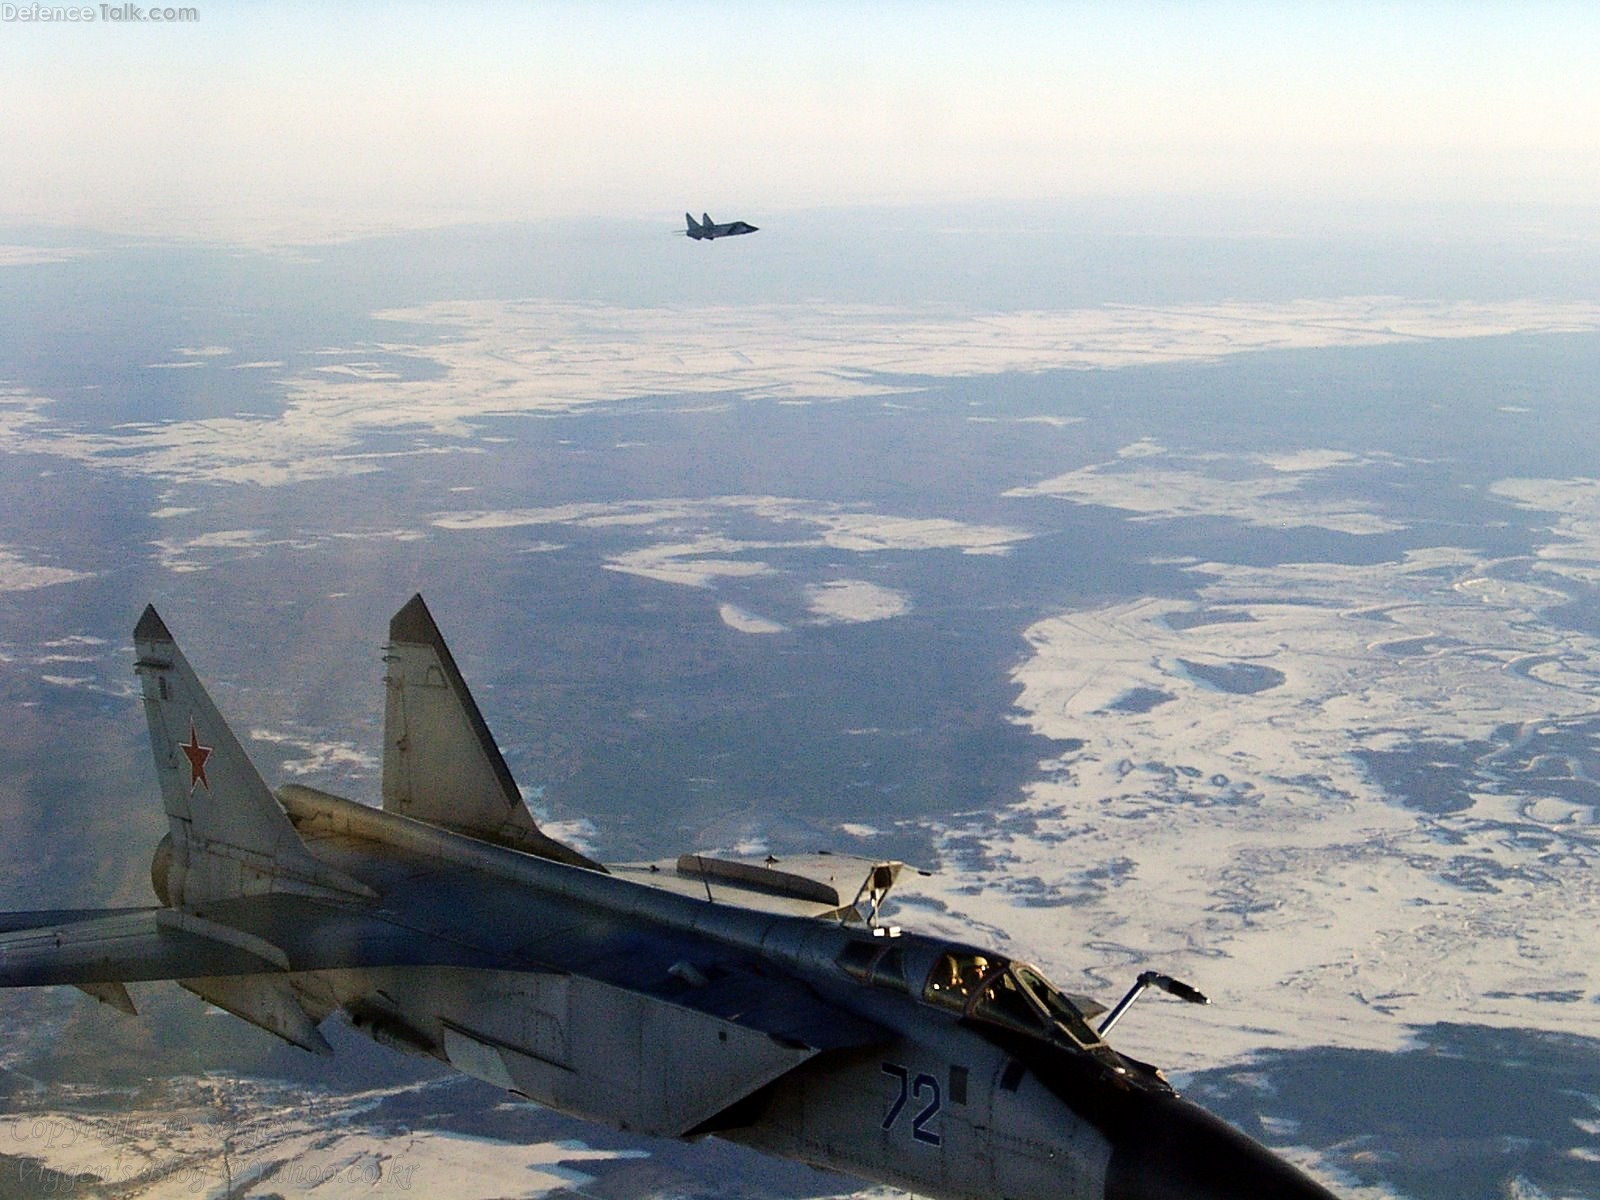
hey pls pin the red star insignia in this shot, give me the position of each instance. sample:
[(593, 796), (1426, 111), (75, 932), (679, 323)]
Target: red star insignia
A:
[(197, 755)]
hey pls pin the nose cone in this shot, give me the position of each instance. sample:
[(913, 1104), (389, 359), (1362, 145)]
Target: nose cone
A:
[(1175, 1150)]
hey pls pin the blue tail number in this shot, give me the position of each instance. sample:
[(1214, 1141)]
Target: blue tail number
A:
[(909, 1089)]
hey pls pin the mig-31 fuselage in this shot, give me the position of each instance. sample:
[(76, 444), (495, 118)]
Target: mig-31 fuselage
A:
[(761, 1001)]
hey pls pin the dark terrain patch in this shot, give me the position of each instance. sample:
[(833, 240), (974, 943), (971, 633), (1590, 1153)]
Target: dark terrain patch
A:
[(1236, 678)]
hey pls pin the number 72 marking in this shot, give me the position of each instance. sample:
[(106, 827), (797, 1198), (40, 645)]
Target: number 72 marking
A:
[(923, 1085)]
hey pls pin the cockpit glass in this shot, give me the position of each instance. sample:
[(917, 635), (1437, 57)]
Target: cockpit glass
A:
[(880, 963), (1061, 1010), (956, 977), (987, 987), (1002, 999), (890, 970)]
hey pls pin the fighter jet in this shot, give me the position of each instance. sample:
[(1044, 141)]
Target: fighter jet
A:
[(708, 231), (765, 1001)]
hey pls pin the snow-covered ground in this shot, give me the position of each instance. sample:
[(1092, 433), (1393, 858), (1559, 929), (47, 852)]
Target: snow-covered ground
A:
[(1344, 799)]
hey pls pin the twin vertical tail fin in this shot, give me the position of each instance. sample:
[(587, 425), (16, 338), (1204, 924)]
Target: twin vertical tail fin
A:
[(229, 836), (440, 762), (689, 219)]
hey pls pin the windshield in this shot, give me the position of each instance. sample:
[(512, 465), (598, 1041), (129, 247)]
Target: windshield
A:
[(1060, 1010), (1004, 1000), (986, 987)]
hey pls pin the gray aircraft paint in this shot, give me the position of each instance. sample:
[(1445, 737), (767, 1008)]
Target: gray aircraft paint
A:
[(752, 1000), (706, 230)]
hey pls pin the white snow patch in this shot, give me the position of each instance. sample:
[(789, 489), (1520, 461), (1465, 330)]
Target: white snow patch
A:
[(318, 757), (735, 617), (18, 575), (218, 546), (508, 357), (1238, 840), (855, 600), (1575, 554), (833, 526), (579, 833), (1053, 422), (1306, 460), (269, 1140), (1223, 487), (690, 564)]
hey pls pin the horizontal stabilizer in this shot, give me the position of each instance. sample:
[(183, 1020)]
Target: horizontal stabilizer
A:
[(122, 946), (440, 762), (165, 943), (51, 917)]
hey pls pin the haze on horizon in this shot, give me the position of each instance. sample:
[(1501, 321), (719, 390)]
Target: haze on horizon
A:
[(296, 122)]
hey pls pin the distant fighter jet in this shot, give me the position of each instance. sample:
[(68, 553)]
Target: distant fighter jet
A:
[(757, 1000), (706, 231)]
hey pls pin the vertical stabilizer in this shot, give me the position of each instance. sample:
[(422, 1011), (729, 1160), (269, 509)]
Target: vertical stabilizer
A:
[(705, 220), (440, 763), (693, 227), (230, 837)]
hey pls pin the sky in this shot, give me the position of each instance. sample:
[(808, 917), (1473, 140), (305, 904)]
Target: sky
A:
[(283, 121)]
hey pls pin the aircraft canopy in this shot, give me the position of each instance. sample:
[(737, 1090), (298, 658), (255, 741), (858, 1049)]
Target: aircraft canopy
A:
[(987, 987)]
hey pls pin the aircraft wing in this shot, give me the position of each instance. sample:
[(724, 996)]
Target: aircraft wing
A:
[(271, 935), (11, 921), (120, 945), (251, 936)]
